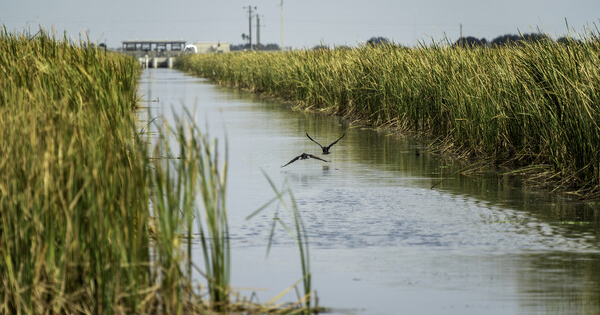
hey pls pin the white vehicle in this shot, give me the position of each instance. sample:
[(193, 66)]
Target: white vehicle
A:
[(192, 49)]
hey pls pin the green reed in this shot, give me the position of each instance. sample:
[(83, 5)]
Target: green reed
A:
[(73, 217), (93, 217), (298, 233), (533, 104), (177, 179)]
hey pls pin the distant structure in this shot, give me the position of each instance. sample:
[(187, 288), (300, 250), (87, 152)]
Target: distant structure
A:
[(153, 46), (154, 53), (163, 53), (208, 47)]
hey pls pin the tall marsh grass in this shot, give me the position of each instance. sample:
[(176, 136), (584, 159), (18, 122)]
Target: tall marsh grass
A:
[(73, 217), (93, 218), (534, 106)]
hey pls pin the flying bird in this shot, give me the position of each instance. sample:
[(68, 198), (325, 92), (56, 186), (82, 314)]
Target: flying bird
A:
[(304, 156), (325, 149)]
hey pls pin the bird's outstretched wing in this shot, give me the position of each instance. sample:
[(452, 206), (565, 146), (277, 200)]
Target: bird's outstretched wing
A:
[(336, 141), (293, 160), (314, 140), (316, 157)]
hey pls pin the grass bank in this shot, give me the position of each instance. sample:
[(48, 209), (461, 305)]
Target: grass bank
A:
[(533, 107), (72, 214), (89, 222)]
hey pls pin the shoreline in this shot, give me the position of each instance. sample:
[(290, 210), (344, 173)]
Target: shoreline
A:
[(484, 125)]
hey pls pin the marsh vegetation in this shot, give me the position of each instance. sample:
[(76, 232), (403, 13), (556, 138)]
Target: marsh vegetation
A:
[(531, 107), (97, 217)]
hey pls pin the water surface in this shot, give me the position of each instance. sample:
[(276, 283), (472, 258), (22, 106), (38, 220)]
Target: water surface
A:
[(390, 231)]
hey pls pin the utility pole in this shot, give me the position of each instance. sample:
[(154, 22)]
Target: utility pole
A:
[(282, 47), (257, 32), (250, 24), (460, 30)]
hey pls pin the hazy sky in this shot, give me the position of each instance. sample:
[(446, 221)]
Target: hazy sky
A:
[(305, 23)]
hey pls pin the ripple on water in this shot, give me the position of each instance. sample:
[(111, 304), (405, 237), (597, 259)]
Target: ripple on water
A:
[(423, 219)]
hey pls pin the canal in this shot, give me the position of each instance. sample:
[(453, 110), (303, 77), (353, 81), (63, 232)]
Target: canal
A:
[(391, 231)]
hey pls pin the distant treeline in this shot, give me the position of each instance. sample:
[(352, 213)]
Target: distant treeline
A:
[(468, 41), (507, 39), (242, 47), (502, 40)]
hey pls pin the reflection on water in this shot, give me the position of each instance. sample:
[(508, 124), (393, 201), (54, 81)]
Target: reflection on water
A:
[(391, 230)]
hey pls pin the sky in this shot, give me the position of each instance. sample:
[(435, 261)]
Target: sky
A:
[(306, 23)]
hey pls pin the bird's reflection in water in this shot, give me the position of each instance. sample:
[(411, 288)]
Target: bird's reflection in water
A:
[(309, 179)]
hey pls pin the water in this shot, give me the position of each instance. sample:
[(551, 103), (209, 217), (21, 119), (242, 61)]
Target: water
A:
[(390, 231)]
